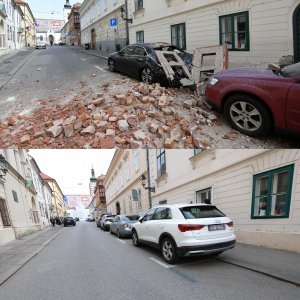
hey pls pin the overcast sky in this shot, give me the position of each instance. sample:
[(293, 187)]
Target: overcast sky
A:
[(42, 9), (72, 168)]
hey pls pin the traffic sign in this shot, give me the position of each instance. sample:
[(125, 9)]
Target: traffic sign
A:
[(113, 22)]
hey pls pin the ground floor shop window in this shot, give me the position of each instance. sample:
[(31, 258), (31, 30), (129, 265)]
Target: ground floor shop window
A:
[(272, 193), (178, 35), (140, 37), (234, 31), (204, 196), (4, 213)]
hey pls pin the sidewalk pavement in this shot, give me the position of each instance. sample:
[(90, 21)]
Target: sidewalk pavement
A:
[(282, 265), (97, 53), (14, 255)]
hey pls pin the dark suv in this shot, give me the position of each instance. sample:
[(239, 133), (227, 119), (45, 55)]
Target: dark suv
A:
[(69, 221)]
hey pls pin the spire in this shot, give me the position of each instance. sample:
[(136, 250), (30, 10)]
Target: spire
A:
[(93, 178), (67, 5)]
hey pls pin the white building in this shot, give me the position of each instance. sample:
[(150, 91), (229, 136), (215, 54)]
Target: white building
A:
[(3, 16), (255, 31), (19, 215), (48, 30), (18, 18), (102, 25)]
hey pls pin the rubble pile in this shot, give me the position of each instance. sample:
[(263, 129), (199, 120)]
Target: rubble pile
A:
[(122, 114)]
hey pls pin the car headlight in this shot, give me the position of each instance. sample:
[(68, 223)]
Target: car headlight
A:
[(213, 81)]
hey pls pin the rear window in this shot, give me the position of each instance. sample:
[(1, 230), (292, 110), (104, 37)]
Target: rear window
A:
[(198, 212), (131, 218), (109, 219)]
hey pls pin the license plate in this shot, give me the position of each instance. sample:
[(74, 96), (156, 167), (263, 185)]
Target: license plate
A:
[(216, 227)]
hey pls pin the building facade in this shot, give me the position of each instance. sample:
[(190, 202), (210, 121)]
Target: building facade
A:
[(48, 30), (19, 213), (77, 205), (3, 16), (18, 19), (124, 191), (102, 26), (74, 33), (99, 197), (256, 32)]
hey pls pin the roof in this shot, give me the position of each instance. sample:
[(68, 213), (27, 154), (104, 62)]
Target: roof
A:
[(46, 177)]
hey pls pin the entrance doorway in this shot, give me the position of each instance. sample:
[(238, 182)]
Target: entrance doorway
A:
[(93, 35), (296, 25), (118, 208), (51, 39)]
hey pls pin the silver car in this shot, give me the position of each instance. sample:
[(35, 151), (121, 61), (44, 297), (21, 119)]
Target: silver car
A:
[(40, 45), (122, 224)]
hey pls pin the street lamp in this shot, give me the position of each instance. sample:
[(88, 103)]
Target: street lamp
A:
[(3, 166), (124, 14), (144, 180)]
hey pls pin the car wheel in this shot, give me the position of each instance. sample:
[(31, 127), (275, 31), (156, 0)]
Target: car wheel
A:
[(147, 76), (111, 64), (168, 250), (247, 115), (135, 239)]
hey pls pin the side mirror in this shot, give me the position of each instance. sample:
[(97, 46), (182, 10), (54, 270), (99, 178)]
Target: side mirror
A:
[(141, 219)]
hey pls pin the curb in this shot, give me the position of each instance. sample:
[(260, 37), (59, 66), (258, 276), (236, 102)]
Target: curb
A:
[(16, 69), (94, 54), (258, 271), (13, 270)]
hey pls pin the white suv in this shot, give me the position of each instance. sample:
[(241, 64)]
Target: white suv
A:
[(184, 230)]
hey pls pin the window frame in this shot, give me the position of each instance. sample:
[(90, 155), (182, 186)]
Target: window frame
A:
[(6, 221), (232, 16), (159, 154), (290, 169), (208, 189), (138, 33), (177, 26), (138, 5)]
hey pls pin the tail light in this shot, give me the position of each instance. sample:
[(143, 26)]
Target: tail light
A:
[(125, 225), (189, 227), (230, 224)]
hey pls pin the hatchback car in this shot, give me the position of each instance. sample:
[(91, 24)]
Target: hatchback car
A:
[(105, 222), (69, 221), (185, 230), (122, 225), (141, 62), (254, 101), (40, 45)]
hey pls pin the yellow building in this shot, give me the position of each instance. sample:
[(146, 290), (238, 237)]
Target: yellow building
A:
[(59, 207), (28, 24)]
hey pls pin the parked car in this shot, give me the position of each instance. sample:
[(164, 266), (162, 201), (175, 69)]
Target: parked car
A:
[(40, 45), (185, 230), (76, 219), (122, 225), (141, 62), (69, 221), (255, 101), (106, 221), (90, 219)]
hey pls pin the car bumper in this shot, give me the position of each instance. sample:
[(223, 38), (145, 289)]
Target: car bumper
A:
[(205, 249)]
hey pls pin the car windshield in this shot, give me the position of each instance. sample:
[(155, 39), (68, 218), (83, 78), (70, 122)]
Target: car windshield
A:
[(131, 218), (291, 71), (198, 212), (69, 218)]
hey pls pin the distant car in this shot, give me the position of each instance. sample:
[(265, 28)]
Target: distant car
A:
[(122, 225), (255, 101), (76, 219), (40, 45), (90, 219), (141, 62), (105, 222), (69, 221), (184, 230)]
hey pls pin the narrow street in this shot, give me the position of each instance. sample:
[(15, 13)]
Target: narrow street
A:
[(84, 262)]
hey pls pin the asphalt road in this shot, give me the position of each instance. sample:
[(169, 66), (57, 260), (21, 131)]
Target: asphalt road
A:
[(84, 262), (53, 75)]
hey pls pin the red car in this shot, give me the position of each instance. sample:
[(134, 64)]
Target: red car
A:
[(255, 101)]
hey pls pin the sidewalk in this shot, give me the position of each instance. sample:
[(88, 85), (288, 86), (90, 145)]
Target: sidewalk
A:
[(97, 53), (14, 255), (282, 265)]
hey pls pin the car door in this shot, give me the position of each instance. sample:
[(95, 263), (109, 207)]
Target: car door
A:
[(143, 229), (125, 59), (114, 224), (293, 107), (138, 61)]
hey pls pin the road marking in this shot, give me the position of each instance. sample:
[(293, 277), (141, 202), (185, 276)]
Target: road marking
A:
[(121, 241), (82, 59), (161, 263), (100, 69), (4, 258)]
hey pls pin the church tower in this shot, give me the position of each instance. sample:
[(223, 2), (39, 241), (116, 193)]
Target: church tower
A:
[(93, 181), (67, 10)]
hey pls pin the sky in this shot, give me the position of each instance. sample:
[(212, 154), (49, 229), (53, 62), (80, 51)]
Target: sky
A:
[(42, 9), (72, 168)]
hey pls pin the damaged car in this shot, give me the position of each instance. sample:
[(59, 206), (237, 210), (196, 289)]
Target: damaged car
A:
[(141, 62), (256, 101)]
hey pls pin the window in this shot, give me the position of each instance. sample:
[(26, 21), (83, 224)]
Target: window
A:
[(4, 213), (148, 216), (15, 195), (162, 214), (272, 193), (138, 5), (161, 162), (234, 31), (204, 196), (140, 37), (136, 154), (162, 202), (105, 5), (129, 50), (127, 171), (178, 36), (197, 151), (198, 212)]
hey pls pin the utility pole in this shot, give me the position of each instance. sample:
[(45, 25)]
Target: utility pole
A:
[(127, 25), (149, 180)]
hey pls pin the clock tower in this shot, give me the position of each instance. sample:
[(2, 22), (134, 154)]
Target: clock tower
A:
[(67, 10)]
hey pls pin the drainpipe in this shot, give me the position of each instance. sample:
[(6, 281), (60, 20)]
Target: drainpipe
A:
[(127, 25)]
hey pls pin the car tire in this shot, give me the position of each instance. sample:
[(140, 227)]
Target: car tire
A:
[(168, 250), (111, 65), (135, 239), (147, 76), (247, 115)]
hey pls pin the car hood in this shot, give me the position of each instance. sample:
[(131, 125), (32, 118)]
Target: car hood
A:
[(246, 73)]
